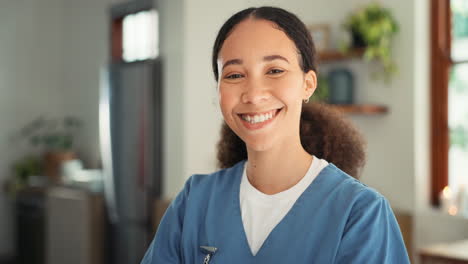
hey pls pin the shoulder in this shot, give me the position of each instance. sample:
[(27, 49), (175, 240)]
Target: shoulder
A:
[(350, 191), (370, 232), (351, 185), (216, 181), (362, 207), (204, 191)]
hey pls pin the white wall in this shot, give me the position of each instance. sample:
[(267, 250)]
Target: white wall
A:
[(30, 60), (86, 42), (172, 26)]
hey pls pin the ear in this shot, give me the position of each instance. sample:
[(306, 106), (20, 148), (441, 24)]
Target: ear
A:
[(310, 83)]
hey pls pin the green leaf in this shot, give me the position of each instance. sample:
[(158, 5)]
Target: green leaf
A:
[(377, 26)]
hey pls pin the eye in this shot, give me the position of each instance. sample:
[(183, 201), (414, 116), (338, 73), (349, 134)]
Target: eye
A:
[(234, 76), (275, 71)]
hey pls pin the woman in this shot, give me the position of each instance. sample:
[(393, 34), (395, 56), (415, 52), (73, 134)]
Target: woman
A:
[(275, 201)]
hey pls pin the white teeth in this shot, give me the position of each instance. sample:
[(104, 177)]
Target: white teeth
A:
[(258, 118)]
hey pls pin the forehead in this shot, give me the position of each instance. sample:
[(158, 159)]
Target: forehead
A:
[(256, 38)]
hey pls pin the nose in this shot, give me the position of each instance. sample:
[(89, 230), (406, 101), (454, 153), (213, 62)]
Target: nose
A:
[(255, 92)]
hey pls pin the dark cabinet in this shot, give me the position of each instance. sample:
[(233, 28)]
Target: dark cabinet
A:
[(30, 227)]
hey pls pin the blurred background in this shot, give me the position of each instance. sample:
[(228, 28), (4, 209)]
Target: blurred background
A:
[(108, 106)]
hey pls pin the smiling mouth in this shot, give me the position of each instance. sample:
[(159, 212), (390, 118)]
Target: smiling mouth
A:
[(255, 118)]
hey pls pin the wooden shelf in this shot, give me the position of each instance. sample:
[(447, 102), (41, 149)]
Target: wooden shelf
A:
[(332, 55), (362, 109), (355, 109)]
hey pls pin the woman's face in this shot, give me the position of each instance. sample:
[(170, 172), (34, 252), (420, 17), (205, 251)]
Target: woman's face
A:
[(261, 85)]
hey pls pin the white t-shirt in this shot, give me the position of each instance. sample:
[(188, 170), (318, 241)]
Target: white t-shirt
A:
[(262, 212)]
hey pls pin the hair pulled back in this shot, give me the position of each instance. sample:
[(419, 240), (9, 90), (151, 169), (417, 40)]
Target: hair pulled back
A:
[(323, 131), (289, 23)]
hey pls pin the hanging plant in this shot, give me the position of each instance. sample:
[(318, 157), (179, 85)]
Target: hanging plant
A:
[(372, 28)]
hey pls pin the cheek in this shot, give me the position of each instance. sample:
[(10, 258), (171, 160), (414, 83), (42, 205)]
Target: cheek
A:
[(289, 89), (227, 101)]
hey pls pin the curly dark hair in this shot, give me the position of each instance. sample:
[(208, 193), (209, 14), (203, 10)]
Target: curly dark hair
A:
[(323, 131)]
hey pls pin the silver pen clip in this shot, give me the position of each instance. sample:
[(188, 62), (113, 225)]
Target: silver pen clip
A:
[(209, 251)]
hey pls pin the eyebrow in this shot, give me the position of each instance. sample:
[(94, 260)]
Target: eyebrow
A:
[(232, 62), (275, 57), (266, 58)]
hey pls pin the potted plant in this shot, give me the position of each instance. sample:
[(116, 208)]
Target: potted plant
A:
[(372, 28), (55, 137), (23, 169)]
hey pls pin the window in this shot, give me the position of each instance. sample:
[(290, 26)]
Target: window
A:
[(140, 36), (449, 95), (135, 36)]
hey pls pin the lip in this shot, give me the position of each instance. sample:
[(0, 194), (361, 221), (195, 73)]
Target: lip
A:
[(257, 126)]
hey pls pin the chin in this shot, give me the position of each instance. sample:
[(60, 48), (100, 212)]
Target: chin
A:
[(258, 146)]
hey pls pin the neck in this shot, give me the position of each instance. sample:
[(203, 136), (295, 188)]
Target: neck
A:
[(277, 169)]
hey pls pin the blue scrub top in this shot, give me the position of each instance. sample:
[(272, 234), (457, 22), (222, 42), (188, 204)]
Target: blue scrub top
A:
[(337, 219)]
